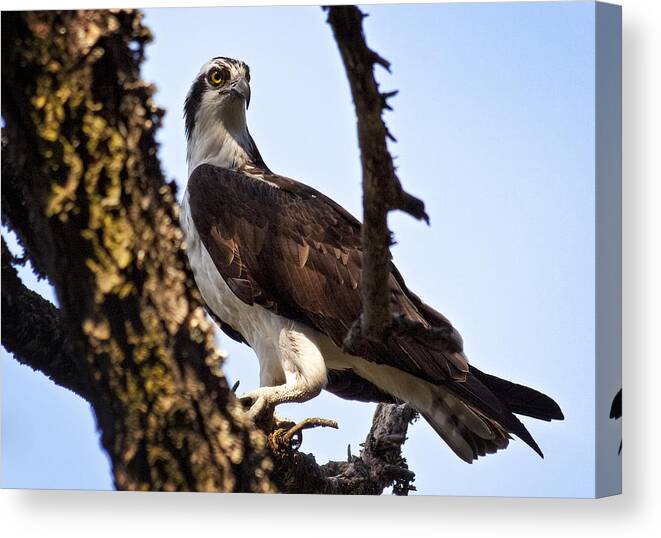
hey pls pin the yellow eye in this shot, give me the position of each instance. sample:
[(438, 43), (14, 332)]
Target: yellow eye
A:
[(216, 77)]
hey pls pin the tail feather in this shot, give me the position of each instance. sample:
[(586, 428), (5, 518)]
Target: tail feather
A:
[(467, 431), (520, 399), (452, 435), (492, 405)]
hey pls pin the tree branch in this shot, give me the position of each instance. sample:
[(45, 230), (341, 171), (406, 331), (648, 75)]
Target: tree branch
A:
[(382, 190), (32, 330), (379, 465)]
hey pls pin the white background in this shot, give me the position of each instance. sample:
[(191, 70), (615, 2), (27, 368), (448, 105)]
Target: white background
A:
[(31, 513)]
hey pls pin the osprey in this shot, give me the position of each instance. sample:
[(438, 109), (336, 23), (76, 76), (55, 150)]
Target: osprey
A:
[(279, 267)]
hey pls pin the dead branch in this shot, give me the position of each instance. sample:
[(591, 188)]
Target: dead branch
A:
[(32, 330), (382, 190)]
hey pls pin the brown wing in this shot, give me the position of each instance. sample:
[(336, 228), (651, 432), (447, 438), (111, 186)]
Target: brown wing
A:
[(288, 248)]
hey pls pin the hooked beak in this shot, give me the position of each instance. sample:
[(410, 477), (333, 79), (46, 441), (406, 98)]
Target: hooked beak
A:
[(242, 88)]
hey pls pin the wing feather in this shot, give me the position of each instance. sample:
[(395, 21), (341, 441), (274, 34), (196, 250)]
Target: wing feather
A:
[(289, 248)]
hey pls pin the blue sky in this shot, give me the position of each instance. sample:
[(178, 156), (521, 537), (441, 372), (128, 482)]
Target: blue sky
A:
[(495, 128)]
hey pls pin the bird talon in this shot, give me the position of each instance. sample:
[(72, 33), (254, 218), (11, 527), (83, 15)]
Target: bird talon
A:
[(291, 439), (280, 423)]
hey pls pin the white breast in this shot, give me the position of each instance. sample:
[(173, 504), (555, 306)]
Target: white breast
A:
[(277, 341)]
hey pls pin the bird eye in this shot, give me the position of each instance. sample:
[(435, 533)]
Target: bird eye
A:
[(216, 77)]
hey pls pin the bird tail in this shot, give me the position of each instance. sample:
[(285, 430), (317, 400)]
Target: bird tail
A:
[(470, 393), (466, 415), (476, 417)]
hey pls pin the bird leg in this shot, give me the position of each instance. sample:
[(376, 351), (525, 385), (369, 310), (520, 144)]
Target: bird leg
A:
[(262, 401), (284, 434), (262, 414)]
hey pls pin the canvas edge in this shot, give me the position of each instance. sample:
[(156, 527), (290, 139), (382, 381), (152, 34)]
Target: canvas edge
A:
[(608, 244)]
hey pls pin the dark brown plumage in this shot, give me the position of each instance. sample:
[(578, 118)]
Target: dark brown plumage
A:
[(291, 248)]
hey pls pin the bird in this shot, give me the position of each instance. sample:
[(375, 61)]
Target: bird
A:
[(278, 265)]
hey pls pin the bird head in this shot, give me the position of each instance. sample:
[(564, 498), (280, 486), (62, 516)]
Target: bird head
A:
[(220, 92), (215, 113)]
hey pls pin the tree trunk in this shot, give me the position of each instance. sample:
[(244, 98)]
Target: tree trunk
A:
[(87, 197)]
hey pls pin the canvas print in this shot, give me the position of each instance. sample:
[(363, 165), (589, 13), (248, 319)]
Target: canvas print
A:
[(304, 250)]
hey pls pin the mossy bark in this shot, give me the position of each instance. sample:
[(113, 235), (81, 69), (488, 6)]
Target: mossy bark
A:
[(89, 202)]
